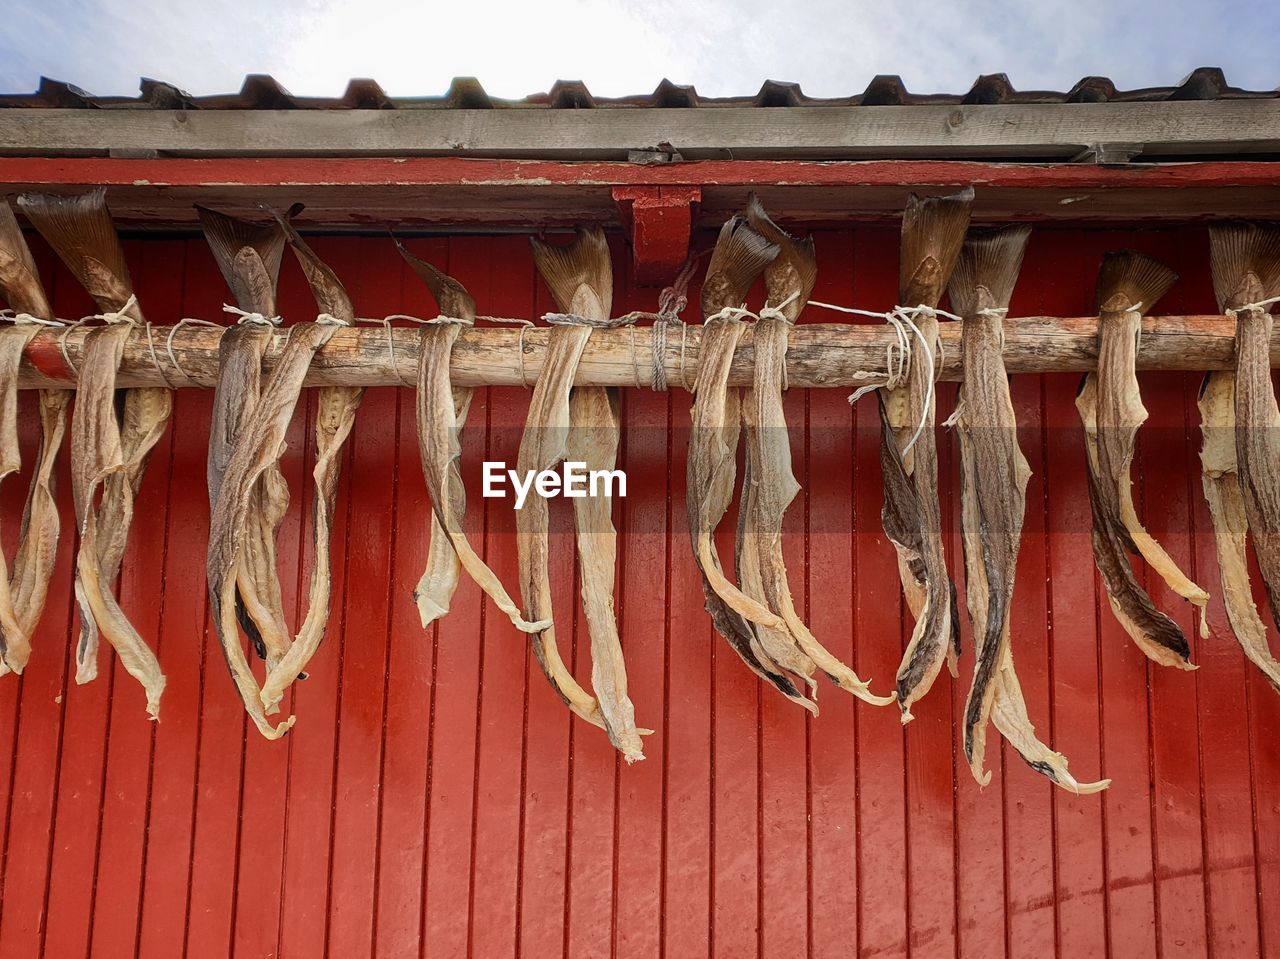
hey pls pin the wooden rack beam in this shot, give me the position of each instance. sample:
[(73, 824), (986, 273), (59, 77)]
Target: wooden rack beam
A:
[(819, 354)]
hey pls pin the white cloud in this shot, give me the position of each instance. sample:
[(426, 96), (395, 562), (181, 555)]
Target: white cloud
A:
[(516, 47)]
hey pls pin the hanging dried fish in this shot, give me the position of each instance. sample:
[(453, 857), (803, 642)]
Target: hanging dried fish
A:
[(739, 257), (581, 424), (933, 230), (994, 477), (107, 451), (1111, 409), (23, 593), (442, 412), (768, 483), (257, 449), (249, 257), (1239, 418)]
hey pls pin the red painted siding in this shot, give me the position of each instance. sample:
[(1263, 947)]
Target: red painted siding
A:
[(435, 797)]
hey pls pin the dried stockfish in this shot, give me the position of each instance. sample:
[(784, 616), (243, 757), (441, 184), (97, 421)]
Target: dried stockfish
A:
[(582, 423), (107, 450), (1239, 419), (994, 477), (739, 257), (769, 485), (23, 593), (933, 230), (249, 257), (1111, 409), (442, 412), (258, 448)]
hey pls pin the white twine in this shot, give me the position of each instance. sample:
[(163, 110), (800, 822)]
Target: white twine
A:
[(731, 313), (247, 316), (1258, 307), (771, 312), (118, 316), (329, 319), (20, 318), (169, 346), (151, 348), (898, 355), (524, 325)]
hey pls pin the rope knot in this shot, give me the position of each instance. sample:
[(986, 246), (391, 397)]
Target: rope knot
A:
[(249, 316)]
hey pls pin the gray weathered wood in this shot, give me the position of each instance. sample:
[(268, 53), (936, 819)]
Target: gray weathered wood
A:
[(1167, 128), (819, 355)]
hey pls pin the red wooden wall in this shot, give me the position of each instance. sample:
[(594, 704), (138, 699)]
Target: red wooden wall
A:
[(436, 798)]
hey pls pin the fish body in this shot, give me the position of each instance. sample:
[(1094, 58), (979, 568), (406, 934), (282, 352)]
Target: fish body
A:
[(1111, 410), (580, 422), (933, 230), (994, 475), (24, 589), (109, 449)]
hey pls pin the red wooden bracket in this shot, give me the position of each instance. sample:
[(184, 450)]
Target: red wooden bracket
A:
[(659, 220)]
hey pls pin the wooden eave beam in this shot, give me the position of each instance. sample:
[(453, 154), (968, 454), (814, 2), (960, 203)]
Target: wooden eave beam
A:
[(453, 195), (1037, 130)]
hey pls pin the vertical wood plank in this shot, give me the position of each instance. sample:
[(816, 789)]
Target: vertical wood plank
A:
[(127, 794), (693, 647), (880, 619), (309, 795), (376, 464), (495, 876), (643, 544), (407, 723), (828, 500), (457, 691)]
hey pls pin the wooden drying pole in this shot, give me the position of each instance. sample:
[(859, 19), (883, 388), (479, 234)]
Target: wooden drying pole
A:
[(819, 355)]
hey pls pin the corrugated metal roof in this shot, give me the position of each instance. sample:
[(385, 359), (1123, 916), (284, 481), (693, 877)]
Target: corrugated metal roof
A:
[(262, 92)]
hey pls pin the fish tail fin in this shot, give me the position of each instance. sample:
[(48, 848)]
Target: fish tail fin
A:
[(248, 255), (80, 230), (451, 296), (794, 271), (1245, 261), (330, 295), (739, 257), (933, 230), (578, 273), (19, 278), (1128, 278), (987, 269)]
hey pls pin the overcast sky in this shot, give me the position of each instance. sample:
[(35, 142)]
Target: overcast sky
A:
[(724, 47)]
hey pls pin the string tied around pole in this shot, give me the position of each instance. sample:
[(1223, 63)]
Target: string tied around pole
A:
[(524, 325), (17, 318), (1259, 307), (249, 316)]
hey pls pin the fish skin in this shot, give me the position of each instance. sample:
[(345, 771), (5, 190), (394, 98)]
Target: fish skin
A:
[(1111, 411), (739, 257), (580, 422), (23, 592), (336, 408), (257, 448), (1155, 633), (1220, 478), (933, 230), (1239, 419), (789, 279), (112, 434), (993, 509), (249, 257), (441, 413)]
